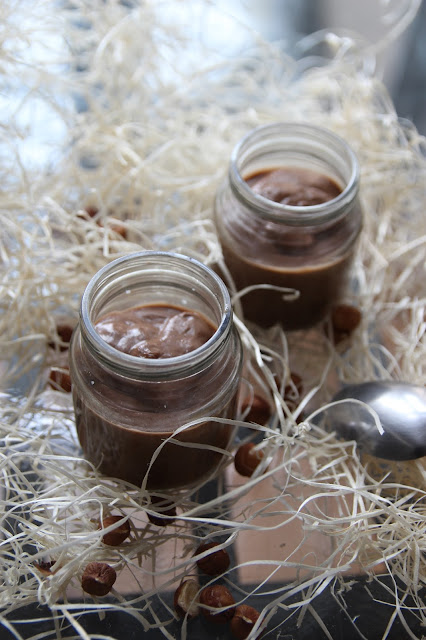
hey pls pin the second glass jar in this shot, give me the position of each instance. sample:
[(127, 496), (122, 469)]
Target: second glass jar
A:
[(300, 243)]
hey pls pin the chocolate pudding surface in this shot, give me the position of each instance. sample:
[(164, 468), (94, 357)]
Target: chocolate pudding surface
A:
[(155, 331), (296, 187)]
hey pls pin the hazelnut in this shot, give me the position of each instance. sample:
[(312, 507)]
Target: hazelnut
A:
[(243, 621), (98, 578), (87, 213), (118, 535), (216, 562), (217, 596), (247, 458), (259, 409), (91, 211), (166, 508), (114, 227), (64, 333), (185, 599), (60, 379), (119, 229), (45, 567), (345, 319)]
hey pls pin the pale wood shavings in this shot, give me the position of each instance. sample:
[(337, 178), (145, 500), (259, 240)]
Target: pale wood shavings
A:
[(141, 119)]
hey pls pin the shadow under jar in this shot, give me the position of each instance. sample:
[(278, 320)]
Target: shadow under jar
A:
[(288, 215), (155, 348)]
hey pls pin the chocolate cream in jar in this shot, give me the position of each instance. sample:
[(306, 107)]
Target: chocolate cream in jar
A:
[(155, 348), (289, 215)]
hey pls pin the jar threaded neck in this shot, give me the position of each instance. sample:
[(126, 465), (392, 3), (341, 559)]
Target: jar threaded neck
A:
[(149, 278), (282, 144)]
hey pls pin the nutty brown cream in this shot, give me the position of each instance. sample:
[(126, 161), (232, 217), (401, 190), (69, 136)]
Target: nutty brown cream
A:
[(295, 187), (155, 331)]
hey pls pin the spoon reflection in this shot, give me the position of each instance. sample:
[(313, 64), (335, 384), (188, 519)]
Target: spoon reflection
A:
[(401, 408)]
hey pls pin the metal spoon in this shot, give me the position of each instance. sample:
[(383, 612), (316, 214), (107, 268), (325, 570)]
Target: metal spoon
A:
[(401, 408)]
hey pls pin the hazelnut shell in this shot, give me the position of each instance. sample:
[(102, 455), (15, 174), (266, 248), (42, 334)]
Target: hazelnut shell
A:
[(118, 535), (247, 458), (164, 509), (60, 379), (218, 596), (259, 409), (185, 599), (216, 562), (243, 621), (98, 578), (345, 317)]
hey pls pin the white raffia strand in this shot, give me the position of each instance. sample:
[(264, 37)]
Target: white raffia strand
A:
[(113, 106)]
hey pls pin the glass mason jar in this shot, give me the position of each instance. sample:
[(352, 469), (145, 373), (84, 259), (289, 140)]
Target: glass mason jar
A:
[(302, 244), (127, 406)]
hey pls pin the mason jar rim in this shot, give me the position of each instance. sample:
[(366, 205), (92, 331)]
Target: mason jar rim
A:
[(290, 214), (155, 368)]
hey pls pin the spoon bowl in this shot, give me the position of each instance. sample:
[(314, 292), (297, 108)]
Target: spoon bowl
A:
[(401, 409)]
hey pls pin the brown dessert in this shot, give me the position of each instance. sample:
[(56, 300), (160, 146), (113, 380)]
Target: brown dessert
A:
[(306, 258), (142, 414), (155, 331), (295, 187)]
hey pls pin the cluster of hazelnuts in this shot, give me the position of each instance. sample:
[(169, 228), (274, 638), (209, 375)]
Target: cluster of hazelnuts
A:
[(216, 602)]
